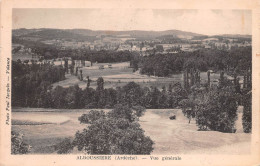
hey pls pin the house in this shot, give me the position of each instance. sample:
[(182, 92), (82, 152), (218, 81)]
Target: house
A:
[(92, 47)]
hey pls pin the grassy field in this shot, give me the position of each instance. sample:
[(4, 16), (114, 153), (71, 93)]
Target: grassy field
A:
[(170, 136), (27, 122), (43, 137), (119, 75), (180, 137)]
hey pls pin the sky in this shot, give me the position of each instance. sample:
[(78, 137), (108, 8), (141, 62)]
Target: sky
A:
[(207, 22)]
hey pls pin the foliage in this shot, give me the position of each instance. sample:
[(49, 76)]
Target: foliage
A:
[(123, 111), (91, 117), (113, 136), (138, 110), (132, 94), (115, 132), (31, 83), (187, 106), (247, 112), (217, 110), (18, 146), (64, 146), (203, 60)]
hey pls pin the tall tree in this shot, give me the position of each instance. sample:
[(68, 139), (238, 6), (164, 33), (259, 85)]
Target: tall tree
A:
[(247, 112)]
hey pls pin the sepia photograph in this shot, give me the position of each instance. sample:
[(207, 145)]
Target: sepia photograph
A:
[(131, 81)]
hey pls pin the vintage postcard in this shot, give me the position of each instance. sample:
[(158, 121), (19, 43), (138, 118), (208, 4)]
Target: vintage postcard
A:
[(130, 83)]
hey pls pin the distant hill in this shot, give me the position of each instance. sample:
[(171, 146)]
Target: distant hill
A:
[(91, 35), (23, 31), (134, 33), (49, 34), (82, 33)]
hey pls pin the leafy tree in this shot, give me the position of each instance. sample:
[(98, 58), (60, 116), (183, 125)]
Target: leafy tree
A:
[(132, 94), (88, 82), (179, 92), (72, 96), (87, 99), (187, 106), (123, 111), (81, 76), (100, 93), (66, 66), (138, 111), (217, 110), (247, 113), (31, 83), (163, 99), (110, 134), (100, 84), (111, 97), (155, 95), (116, 132), (113, 136), (91, 117), (58, 97)]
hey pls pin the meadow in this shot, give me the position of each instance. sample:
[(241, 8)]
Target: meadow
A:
[(120, 74), (170, 136)]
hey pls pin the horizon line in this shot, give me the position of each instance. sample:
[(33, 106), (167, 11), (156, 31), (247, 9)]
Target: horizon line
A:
[(133, 30)]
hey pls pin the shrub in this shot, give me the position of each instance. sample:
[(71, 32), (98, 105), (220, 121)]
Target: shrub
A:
[(64, 146), (18, 146)]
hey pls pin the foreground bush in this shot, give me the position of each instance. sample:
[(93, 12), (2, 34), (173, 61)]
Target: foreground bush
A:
[(17, 144), (64, 146), (217, 111), (115, 132), (113, 136)]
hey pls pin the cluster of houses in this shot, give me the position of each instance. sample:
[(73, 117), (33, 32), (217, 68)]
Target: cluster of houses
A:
[(223, 45), (147, 47), (21, 48)]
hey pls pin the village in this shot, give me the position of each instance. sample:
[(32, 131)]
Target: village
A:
[(144, 47)]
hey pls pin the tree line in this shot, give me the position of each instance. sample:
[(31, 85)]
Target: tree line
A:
[(31, 83), (74, 97), (165, 65)]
